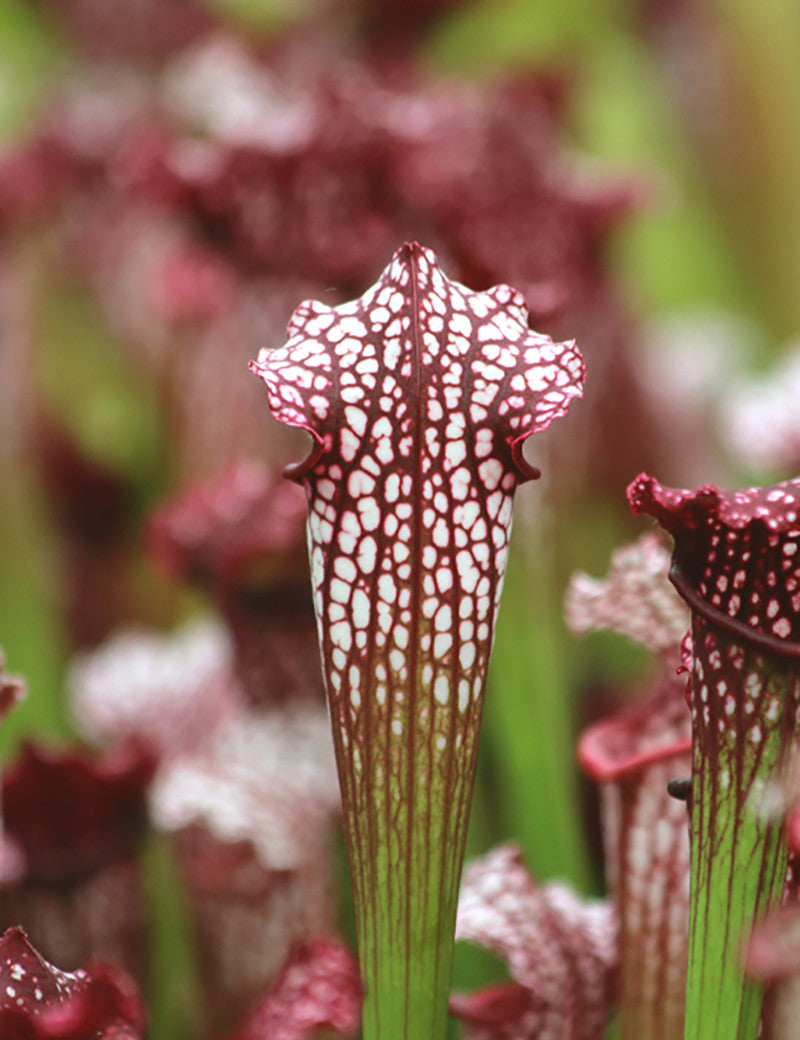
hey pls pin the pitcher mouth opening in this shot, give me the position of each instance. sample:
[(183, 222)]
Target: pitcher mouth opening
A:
[(743, 632)]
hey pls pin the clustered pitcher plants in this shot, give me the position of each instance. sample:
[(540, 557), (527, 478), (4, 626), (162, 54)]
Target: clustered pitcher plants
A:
[(184, 198), (418, 397)]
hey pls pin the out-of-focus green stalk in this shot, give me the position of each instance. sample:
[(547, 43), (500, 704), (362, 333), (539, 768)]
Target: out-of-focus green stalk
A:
[(679, 254), (756, 159), (96, 391), (529, 716), (85, 384), (500, 34), (173, 991), (30, 631), (28, 59)]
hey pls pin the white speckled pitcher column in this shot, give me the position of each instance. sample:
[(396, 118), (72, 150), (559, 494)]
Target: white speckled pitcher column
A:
[(736, 564), (418, 397)]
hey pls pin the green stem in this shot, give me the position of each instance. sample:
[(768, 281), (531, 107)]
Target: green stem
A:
[(405, 857), (530, 718)]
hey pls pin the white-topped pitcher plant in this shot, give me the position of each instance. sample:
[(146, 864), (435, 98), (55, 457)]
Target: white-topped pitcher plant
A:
[(418, 397)]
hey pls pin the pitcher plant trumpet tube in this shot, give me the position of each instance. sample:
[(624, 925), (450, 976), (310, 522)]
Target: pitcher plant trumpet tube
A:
[(418, 397), (736, 564)]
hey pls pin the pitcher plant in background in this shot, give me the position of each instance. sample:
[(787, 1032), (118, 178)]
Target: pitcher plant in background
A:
[(632, 755), (418, 397), (736, 565)]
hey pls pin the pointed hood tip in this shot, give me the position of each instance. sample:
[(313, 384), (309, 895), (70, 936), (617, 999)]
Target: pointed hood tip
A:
[(640, 487), (410, 250)]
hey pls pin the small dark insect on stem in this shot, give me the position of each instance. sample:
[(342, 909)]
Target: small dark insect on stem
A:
[(680, 787)]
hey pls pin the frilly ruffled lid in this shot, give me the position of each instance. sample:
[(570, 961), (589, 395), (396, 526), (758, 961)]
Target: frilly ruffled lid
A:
[(736, 555), (214, 532), (634, 599), (414, 322), (268, 780), (70, 812), (562, 950), (241, 535), (497, 1012), (40, 1002), (170, 691), (318, 988), (633, 739)]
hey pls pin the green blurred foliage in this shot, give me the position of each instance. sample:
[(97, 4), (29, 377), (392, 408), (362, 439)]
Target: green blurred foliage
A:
[(29, 60), (108, 406)]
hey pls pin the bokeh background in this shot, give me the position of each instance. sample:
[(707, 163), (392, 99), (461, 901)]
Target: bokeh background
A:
[(177, 177)]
